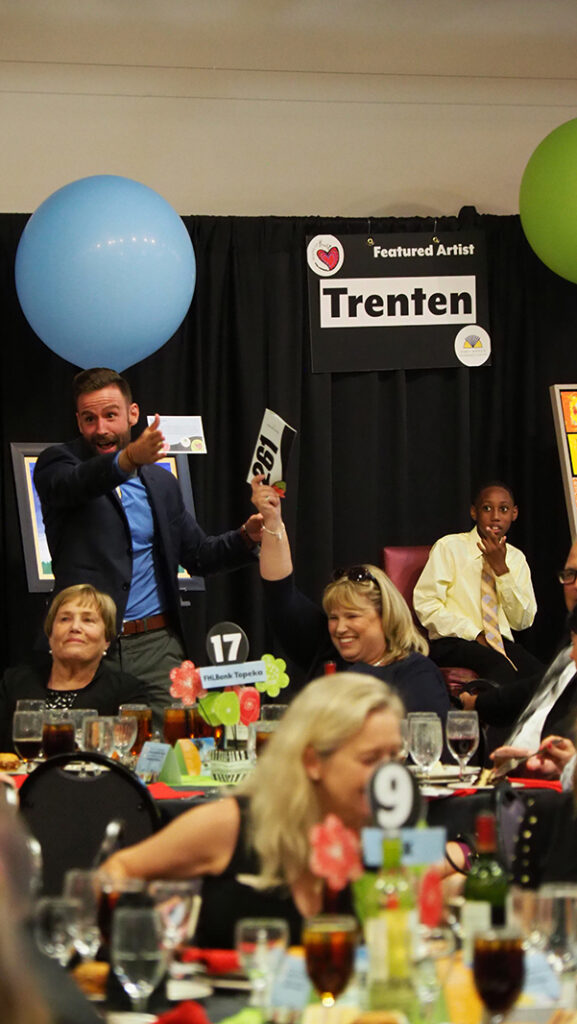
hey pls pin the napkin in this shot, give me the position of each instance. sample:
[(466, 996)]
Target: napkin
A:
[(184, 1013), (216, 961)]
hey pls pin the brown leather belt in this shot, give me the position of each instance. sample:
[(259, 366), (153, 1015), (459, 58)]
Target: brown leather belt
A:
[(159, 621)]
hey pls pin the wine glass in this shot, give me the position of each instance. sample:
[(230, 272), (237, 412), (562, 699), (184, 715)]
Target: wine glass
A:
[(124, 730), (84, 886), (27, 735), (178, 903), (137, 952), (425, 739), (329, 942), (55, 924), (462, 736), (498, 970), (261, 943)]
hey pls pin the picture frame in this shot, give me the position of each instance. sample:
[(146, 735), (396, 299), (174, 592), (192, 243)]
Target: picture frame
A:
[(37, 560), (564, 404)]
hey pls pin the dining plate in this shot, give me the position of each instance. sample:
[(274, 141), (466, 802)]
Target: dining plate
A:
[(130, 1017), (178, 989)]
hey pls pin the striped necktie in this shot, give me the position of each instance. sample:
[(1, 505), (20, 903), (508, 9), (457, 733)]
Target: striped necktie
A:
[(490, 612)]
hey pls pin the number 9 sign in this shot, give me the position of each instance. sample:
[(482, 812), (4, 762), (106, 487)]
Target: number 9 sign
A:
[(394, 796)]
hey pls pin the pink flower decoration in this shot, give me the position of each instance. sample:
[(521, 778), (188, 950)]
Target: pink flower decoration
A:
[(249, 704), (186, 683), (335, 852)]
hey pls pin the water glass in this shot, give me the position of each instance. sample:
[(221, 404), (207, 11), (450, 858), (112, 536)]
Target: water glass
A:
[(56, 920), (425, 739), (27, 704), (143, 715), (137, 952), (99, 734), (124, 730), (178, 902), (261, 944), (260, 732), (83, 886), (79, 716)]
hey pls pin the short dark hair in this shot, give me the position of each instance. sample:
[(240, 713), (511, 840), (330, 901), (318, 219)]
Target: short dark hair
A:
[(95, 379), (490, 484)]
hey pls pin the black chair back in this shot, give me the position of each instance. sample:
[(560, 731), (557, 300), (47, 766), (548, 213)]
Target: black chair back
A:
[(67, 808)]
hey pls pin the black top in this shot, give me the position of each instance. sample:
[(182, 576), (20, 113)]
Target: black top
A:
[(105, 693), (302, 629), (225, 900)]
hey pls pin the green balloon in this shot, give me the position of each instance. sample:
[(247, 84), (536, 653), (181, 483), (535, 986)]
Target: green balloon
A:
[(548, 201)]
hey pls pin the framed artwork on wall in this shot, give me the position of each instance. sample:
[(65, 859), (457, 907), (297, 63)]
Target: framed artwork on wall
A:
[(37, 559)]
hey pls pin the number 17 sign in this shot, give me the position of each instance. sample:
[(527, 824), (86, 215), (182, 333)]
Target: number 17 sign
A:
[(272, 450)]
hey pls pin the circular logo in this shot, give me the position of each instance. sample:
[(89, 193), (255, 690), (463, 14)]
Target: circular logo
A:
[(473, 345), (325, 255)]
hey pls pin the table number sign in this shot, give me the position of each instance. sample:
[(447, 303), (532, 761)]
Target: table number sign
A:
[(394, 796)]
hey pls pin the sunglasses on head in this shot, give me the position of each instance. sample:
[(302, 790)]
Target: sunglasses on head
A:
[(356, 574)]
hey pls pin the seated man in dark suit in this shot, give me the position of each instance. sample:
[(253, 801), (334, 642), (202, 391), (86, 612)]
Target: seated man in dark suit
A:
[(533, 708)]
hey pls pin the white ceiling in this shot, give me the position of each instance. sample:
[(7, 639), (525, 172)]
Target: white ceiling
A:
[(534, 39)]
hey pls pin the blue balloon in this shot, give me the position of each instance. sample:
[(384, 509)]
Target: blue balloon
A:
[(105, 271)]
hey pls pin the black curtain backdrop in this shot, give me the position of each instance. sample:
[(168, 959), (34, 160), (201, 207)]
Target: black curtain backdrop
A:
[(380, 457)]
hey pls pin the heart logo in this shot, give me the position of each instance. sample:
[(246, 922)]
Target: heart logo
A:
[(330, 258)]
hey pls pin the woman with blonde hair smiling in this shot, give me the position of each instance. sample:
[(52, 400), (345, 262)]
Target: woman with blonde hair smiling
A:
[(365, 623)]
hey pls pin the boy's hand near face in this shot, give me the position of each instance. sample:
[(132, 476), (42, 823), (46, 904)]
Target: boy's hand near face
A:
[(494, 549)]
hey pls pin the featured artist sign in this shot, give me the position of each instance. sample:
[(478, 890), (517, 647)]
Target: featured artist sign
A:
[(398, 301)]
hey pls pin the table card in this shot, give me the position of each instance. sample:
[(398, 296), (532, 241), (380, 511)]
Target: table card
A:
[(184, 434), (157, 762)]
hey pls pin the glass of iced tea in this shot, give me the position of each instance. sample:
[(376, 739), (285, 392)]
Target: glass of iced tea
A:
[(58, 734), (143, 714), (260, 732), (176, 725), (200, 729), (329, 942), (27, 735), (498, 970)]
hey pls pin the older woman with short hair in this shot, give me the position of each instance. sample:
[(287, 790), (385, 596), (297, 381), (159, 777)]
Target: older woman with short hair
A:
[(365, 623), (80, 626)]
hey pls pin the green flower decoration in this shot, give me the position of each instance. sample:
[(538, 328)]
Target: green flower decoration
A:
[(276, 677), (227, 707), (208, 709)]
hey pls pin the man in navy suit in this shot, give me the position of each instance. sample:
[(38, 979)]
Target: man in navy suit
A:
[(117, 521)]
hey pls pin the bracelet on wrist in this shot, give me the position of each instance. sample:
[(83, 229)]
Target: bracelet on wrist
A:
[(275, 533)]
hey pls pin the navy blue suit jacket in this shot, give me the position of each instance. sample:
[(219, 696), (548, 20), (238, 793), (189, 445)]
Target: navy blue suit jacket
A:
[(89, 537)]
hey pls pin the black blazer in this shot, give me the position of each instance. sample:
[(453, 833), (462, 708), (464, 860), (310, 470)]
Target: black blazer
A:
[(89, 537)]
